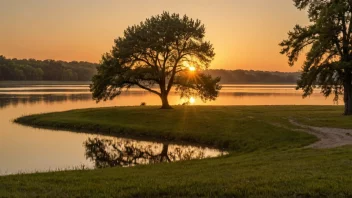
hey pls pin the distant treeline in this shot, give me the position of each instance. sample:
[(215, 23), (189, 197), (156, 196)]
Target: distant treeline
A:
[(251, 76), (50, 70)]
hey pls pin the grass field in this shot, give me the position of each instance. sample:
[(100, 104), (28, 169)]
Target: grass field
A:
[(267, 158)]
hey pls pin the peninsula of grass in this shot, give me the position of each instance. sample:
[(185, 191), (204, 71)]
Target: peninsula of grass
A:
[(267, 157)]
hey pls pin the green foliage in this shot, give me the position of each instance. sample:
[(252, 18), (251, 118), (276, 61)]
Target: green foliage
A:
[(328, 63), (49, 70), (203, 85), (154, 53)]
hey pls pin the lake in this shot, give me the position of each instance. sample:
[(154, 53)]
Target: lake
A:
[(27, 149)]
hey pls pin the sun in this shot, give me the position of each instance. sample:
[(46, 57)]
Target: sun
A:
[(192, 100), (191, 68)]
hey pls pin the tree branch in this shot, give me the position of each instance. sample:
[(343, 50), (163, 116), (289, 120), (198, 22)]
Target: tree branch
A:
[(142, 60), (147, 88), (344, 35), (338, 47)]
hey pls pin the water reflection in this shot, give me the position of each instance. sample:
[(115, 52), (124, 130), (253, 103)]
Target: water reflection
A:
[(226, 98), (124, 152), (15, 100)]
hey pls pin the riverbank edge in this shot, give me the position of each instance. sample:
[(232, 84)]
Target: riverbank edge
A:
[(124, 132), (135, 133)]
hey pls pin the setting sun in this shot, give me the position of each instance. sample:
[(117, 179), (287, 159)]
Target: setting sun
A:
[(192, 100), (191, 68)]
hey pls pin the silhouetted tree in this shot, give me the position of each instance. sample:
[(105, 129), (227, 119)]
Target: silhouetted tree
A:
[(159, 51), (328, 63)]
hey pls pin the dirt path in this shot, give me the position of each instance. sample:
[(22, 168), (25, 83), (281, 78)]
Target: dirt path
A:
[(329, 137)]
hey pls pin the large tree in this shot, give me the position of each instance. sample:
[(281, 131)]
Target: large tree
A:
[(328, 63), (165, 51)]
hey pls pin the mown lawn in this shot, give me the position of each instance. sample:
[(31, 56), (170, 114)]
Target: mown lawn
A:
[(266, 159)]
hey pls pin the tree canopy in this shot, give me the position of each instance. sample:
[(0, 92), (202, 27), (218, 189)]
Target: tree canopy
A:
[(328, 63), (167, 51)]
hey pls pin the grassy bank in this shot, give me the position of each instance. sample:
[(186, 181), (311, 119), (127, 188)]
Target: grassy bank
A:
[(239, 129), (266, 156)]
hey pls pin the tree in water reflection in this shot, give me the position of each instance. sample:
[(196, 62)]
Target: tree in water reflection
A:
[(110, 153)]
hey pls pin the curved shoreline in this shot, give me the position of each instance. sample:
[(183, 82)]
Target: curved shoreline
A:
[(122, 133), (117, 134), (273, 157), (112, 121)]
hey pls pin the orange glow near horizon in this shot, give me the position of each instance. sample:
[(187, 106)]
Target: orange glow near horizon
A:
[(245, 34)]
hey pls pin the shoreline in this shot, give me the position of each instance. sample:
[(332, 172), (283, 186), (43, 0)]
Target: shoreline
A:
[(265, 149)]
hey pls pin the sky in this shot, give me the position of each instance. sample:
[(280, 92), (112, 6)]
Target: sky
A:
[(245, 33)]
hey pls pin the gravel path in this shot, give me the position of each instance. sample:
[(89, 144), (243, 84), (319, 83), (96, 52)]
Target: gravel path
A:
[(329, 137)]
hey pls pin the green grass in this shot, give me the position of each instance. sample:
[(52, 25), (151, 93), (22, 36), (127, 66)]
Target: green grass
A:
[(235, 128), (266, 157)]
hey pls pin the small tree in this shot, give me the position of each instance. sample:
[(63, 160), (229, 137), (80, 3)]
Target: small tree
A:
[(328, 63), (165, 50)]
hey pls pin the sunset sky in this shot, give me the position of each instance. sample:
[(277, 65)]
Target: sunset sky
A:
[(245, 33)]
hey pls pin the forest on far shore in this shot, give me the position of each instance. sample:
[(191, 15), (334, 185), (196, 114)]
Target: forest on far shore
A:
[(48, 70), (51, 70)]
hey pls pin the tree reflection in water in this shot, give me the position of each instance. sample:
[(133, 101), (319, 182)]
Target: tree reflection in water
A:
[(110, 153)]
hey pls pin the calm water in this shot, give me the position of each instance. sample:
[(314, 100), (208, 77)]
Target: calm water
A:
[(25, 149)]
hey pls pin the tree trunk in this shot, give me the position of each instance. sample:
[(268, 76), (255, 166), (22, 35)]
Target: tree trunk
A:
[(164, 153), (348, 93), (165, 102)]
